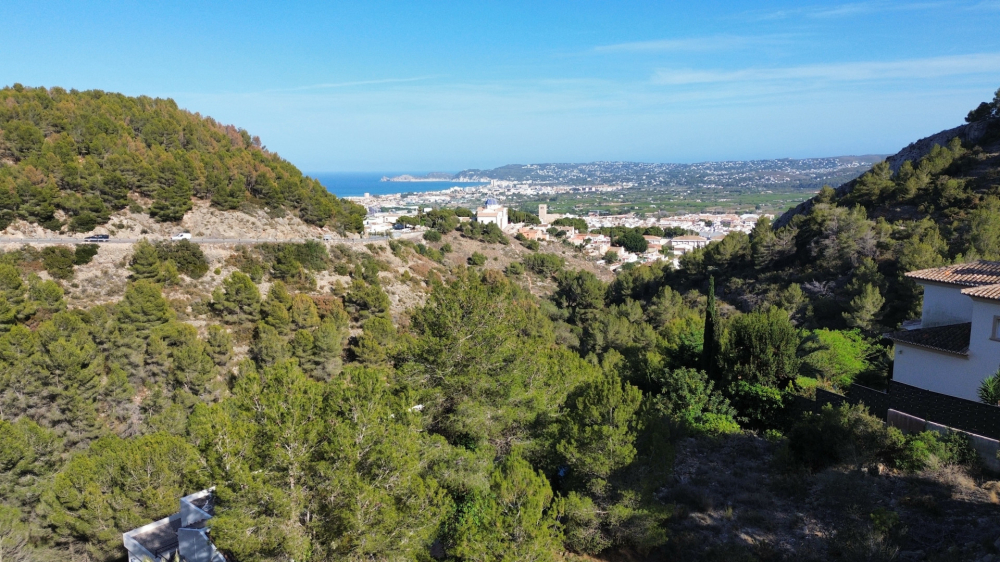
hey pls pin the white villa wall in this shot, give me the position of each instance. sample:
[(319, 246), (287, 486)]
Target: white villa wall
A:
[(984, 352), (932, 370), (950, 374), (943, 305)]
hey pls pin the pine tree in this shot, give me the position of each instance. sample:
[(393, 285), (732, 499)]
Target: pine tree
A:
[(172, 202), (145, 263), (710, 347), (220, 344), (274, 309), (513, 521), (304, 314), (865, 309), (143, 306), (268, 347), (599, 431), (238, 300)]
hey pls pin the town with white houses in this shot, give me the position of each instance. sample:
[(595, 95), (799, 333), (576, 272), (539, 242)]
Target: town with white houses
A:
[(700, 230)]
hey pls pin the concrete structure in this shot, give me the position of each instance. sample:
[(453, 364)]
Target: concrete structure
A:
[(957, 342), (687, 243), (544, 217), (183, 533), (492, 212)]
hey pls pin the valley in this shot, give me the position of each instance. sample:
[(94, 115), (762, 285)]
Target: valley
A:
[(455, 393)]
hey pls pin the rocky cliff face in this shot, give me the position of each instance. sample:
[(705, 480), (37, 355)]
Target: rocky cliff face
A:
[(969, 133)]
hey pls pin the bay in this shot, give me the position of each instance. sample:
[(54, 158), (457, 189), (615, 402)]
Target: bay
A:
[(356, 184)]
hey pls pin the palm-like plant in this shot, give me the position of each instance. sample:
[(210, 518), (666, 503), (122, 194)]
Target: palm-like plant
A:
[(989, 390)]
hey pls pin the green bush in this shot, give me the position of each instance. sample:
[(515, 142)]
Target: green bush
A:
[(58, 261), (186, 255), (515, 268), (760, 407), (849, 435), (477, 259), (430, 253), (989, 390), (83, 253), (544, 264), (488, 233), (432, 236), (843, 435), (688, 398)]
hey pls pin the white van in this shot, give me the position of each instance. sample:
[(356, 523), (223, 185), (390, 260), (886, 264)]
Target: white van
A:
[(181, 236)]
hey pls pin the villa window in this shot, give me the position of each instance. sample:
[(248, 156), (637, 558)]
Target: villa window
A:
[(995, 336)]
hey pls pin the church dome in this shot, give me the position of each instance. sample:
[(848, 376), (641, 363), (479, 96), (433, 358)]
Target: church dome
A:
[(491, 202)]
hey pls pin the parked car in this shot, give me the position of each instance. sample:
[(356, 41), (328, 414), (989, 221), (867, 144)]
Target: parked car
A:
[(97, 238), (181, 236)]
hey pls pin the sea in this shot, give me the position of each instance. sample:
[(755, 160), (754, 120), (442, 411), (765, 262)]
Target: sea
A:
[(356, 184)]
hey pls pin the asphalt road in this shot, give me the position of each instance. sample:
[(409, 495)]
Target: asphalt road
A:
[(15, 240)]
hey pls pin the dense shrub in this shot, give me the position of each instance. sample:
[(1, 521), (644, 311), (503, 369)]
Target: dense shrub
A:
[(477, 259), (633, 241), (488, 233), (544, 264), (760, 406), (850, 435), (83, 253), (689, 398), (432, 236), (186, 255), (58, 261)]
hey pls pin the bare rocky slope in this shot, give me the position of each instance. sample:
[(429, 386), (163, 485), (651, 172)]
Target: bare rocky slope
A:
[(203, 221)]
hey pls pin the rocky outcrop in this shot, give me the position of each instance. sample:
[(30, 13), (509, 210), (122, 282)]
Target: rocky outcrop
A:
[(968, 133)]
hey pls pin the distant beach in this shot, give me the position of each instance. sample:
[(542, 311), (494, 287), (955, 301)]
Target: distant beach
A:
[(357, 184)]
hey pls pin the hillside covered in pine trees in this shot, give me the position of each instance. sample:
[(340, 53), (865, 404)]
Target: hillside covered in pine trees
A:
[(69, 159), (462, 397), (838, 260)]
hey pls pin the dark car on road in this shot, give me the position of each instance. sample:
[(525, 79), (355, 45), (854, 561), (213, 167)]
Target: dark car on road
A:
[(97, 238)]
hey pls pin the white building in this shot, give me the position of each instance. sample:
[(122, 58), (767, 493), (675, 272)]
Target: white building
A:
[(492, 212), (687, 243), (957, 342)]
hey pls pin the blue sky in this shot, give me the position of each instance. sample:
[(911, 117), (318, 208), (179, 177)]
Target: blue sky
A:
[(420, 86)]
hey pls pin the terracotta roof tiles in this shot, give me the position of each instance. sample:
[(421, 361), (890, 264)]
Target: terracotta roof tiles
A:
[(984, 292), (953, 338), (971, 274)]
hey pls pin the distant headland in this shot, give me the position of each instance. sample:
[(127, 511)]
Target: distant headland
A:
[(433, 176)]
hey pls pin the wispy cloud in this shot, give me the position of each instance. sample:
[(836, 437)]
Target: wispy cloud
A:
[(926, 68), (687, 44), (353, 84), (851, 9), (860, 8)]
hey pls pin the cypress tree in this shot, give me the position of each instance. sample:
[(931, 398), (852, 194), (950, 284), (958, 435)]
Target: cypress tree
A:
[(710, 345)]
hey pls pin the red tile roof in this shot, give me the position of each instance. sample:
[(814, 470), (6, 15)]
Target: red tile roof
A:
[(984, 292), (971, 274), (953, 338)]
